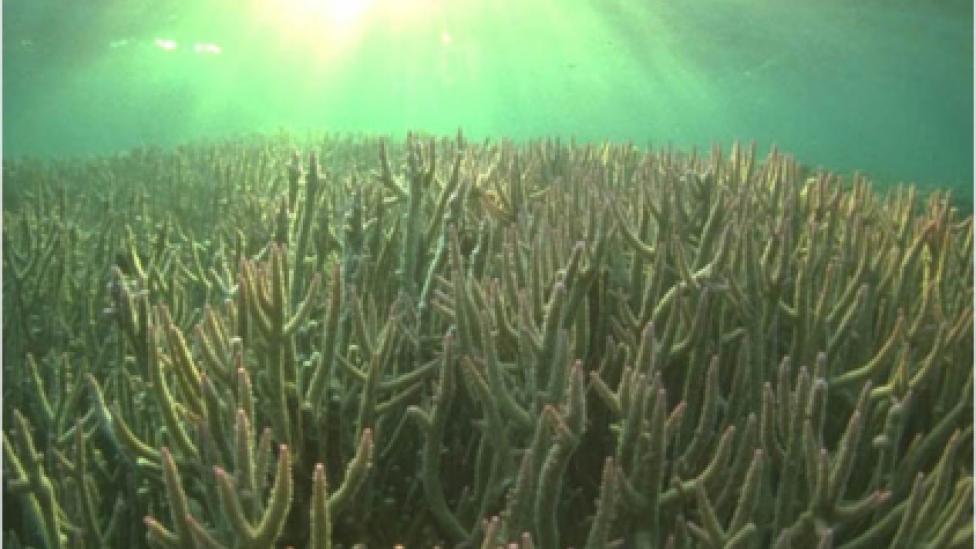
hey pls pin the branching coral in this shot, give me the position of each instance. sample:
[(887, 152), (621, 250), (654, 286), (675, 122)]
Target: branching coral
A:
[(440, 343)]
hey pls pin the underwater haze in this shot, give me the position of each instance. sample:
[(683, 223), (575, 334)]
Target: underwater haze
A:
[(885, 87), (330, 274)]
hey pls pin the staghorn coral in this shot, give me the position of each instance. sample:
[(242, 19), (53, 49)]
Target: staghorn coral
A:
[(434, 342)]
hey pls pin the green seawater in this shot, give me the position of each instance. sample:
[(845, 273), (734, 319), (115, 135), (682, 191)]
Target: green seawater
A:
[(312, 324), (885, 87)]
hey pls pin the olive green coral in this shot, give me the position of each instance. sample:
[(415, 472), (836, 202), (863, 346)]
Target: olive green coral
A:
[(437, 342)]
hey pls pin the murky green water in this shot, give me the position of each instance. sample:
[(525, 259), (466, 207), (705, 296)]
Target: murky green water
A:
[(884, 87)]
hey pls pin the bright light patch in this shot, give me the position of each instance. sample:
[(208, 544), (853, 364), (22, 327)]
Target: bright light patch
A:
[(327, 31), (347, 12), (165, 44), (446, 38), (207, 49), (336, 13)]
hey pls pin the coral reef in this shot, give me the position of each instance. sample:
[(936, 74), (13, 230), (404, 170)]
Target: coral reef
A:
[(436, 342)]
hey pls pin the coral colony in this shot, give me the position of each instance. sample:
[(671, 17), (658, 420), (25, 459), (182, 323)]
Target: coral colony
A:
[(442, 343)]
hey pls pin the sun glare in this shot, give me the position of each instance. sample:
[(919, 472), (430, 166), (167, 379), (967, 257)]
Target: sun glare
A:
[(347, 12), (323, 28), (338, 14)]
